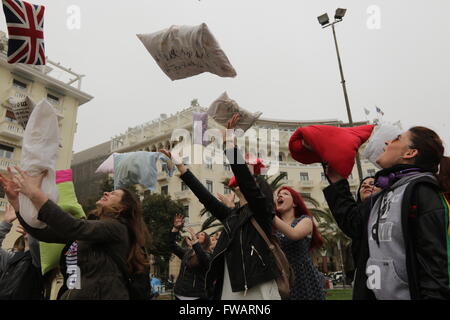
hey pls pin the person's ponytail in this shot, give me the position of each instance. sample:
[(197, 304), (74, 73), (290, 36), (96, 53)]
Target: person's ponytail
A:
[(444, 174)]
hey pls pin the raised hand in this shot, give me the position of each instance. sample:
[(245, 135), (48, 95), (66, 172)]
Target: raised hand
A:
[(175, 158), (21, 230), (227, 200), (232, 123), (331, 174), (28, 185), (9, 185), (194, 238), (10, 214)]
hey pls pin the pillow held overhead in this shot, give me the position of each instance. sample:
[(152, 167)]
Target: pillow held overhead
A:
[(185, 51), (334, 145), (25, 23), (223, 108)]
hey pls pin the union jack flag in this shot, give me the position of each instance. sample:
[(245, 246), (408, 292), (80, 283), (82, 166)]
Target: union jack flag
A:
[(26, 32)]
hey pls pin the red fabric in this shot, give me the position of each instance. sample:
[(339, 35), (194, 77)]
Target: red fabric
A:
[(63, 176), (334, 145), (257, 167), (233, 182)]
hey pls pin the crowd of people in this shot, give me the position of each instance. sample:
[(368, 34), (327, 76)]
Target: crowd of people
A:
[(399, 227)]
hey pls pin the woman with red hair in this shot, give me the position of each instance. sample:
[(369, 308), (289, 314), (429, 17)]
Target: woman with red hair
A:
[(298, 235)]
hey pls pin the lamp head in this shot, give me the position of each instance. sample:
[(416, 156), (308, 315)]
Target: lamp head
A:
[(324, 19)]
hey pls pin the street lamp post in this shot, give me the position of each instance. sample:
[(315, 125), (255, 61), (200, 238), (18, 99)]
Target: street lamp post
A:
[(325, 22)]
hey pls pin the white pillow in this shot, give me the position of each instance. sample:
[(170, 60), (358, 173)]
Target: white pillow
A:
[(185, 51), (107, 166), (223, 109), (40, 152), (382, 133)]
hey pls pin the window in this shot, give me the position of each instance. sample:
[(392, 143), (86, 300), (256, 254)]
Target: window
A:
[(226, 190), (304, 176), (371, 172), (184, 186), (281, 157), (19, 84), (322, 176), (209, 186), (165, 190), (227, 167), (6, 151), (305, 195), (285, 174), (53, 99)]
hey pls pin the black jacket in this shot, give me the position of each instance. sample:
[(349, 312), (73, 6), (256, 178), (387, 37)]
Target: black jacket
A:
[(424, 229), (101, 278), (239, 238), (191, 280)]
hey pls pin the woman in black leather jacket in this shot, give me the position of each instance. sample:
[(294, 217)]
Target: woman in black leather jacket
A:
[(242, 266), (402, 230)]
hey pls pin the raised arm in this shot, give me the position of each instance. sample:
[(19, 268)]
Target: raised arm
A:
[(247, 185), (46, 234), (300, 231), (347, 213), (211, 203), (178, 223)]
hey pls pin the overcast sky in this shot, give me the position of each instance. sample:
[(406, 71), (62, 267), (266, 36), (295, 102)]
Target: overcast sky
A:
[(286, 63)]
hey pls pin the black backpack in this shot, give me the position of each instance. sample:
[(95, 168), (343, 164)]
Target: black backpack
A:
[(21, 280), (138, 283)]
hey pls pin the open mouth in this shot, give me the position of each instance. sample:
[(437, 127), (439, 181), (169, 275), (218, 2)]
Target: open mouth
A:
[(280, 201)]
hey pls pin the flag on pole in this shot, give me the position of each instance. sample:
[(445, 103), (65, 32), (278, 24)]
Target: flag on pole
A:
[(379, 111)]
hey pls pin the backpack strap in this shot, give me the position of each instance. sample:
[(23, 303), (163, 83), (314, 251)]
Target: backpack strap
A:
[(262, 233)]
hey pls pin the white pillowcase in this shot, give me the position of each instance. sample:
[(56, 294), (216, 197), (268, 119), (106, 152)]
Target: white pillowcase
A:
[(382, 133), (107, 166), (185, 51), (223, 109)]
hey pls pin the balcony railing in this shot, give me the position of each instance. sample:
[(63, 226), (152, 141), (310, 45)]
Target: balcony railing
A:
[(306, 183), (5, 163), (181, 195), (11, 130), (3, 203)]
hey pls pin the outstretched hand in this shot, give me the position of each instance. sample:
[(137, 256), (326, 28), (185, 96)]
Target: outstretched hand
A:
[(227, 200), (194, 238), (28, 185), (331, 174), (228, 135), (9, 185), (176, 159), (10, 214)]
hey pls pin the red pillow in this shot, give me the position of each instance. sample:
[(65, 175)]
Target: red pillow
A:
[(334, 145)]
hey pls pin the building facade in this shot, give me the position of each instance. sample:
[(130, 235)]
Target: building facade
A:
[(18, 81)]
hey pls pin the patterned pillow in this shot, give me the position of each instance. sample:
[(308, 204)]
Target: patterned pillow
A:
[(185, 51), (26, 32)]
